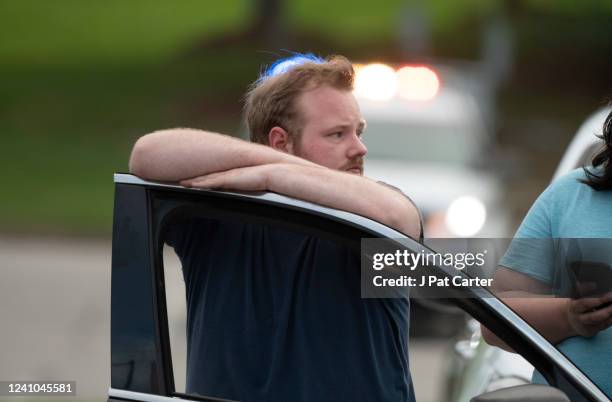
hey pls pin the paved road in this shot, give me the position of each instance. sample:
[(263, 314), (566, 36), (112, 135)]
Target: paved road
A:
[(55, 315)]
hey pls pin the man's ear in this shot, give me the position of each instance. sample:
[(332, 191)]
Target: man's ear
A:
[(280, 140)]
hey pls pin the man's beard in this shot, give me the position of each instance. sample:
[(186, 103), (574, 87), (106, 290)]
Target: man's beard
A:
[(356, 163)]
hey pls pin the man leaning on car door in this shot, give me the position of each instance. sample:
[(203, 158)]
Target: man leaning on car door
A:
[(306, 128)]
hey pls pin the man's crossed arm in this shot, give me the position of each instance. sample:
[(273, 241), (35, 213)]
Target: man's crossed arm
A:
[(207, 160)]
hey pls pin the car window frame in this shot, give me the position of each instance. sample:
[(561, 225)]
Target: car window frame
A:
[(497, 316)]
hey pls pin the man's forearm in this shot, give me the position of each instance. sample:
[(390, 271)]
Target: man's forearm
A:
[(347, 192), (176, 154)]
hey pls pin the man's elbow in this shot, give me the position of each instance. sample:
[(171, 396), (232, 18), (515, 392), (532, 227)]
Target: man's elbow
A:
[(406, 219), (139, 156)]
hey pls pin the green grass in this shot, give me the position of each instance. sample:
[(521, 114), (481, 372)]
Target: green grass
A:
[(64, 32), (65, 131), (82, 80), (110, 31)]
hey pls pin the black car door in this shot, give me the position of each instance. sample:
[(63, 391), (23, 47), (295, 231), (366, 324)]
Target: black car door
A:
[(147, 215)]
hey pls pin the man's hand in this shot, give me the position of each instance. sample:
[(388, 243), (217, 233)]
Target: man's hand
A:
[(586, 315), (252, 178)]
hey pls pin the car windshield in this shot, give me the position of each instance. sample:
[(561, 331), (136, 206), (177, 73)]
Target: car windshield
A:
[(454, 145)]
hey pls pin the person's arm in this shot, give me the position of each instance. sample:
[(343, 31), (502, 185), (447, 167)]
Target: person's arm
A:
[(555, 318), (322, 186), (180, 153)]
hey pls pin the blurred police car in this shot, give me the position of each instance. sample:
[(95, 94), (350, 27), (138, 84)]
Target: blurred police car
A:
[(427, 135)]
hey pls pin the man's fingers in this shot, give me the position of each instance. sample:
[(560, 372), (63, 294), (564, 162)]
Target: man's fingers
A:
[(213, 180), (205, 181), (247, 178)]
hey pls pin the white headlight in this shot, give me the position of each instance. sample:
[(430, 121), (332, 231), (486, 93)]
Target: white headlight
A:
[(465, 216)]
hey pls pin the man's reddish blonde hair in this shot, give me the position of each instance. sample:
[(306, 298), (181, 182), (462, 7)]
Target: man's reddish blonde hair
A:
[(272, 101)]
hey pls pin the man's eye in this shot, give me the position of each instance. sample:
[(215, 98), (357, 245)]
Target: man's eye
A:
[(336, 135), (360, 134)]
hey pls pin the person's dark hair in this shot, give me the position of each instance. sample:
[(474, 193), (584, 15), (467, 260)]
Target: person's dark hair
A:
[(602, 181)]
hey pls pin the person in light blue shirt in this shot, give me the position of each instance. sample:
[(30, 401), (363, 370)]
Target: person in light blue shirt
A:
[(568, 230)]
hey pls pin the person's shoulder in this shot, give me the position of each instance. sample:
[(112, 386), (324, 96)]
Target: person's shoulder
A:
[(556, 195), (570, 179), (569, 192), (568, 184)]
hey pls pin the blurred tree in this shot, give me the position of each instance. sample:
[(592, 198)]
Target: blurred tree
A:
[(268, 22), (266, 27), (414, 31)]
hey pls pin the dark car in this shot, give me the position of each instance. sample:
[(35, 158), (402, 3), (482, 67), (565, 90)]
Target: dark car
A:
[(144, 354)]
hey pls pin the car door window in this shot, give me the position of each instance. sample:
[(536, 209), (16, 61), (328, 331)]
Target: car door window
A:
[(270, 295), (241, 280)]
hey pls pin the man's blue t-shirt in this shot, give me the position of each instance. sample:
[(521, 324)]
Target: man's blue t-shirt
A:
[(568, 221), (277, 315)]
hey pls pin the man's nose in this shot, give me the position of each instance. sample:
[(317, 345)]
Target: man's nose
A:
[(357, 148)]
